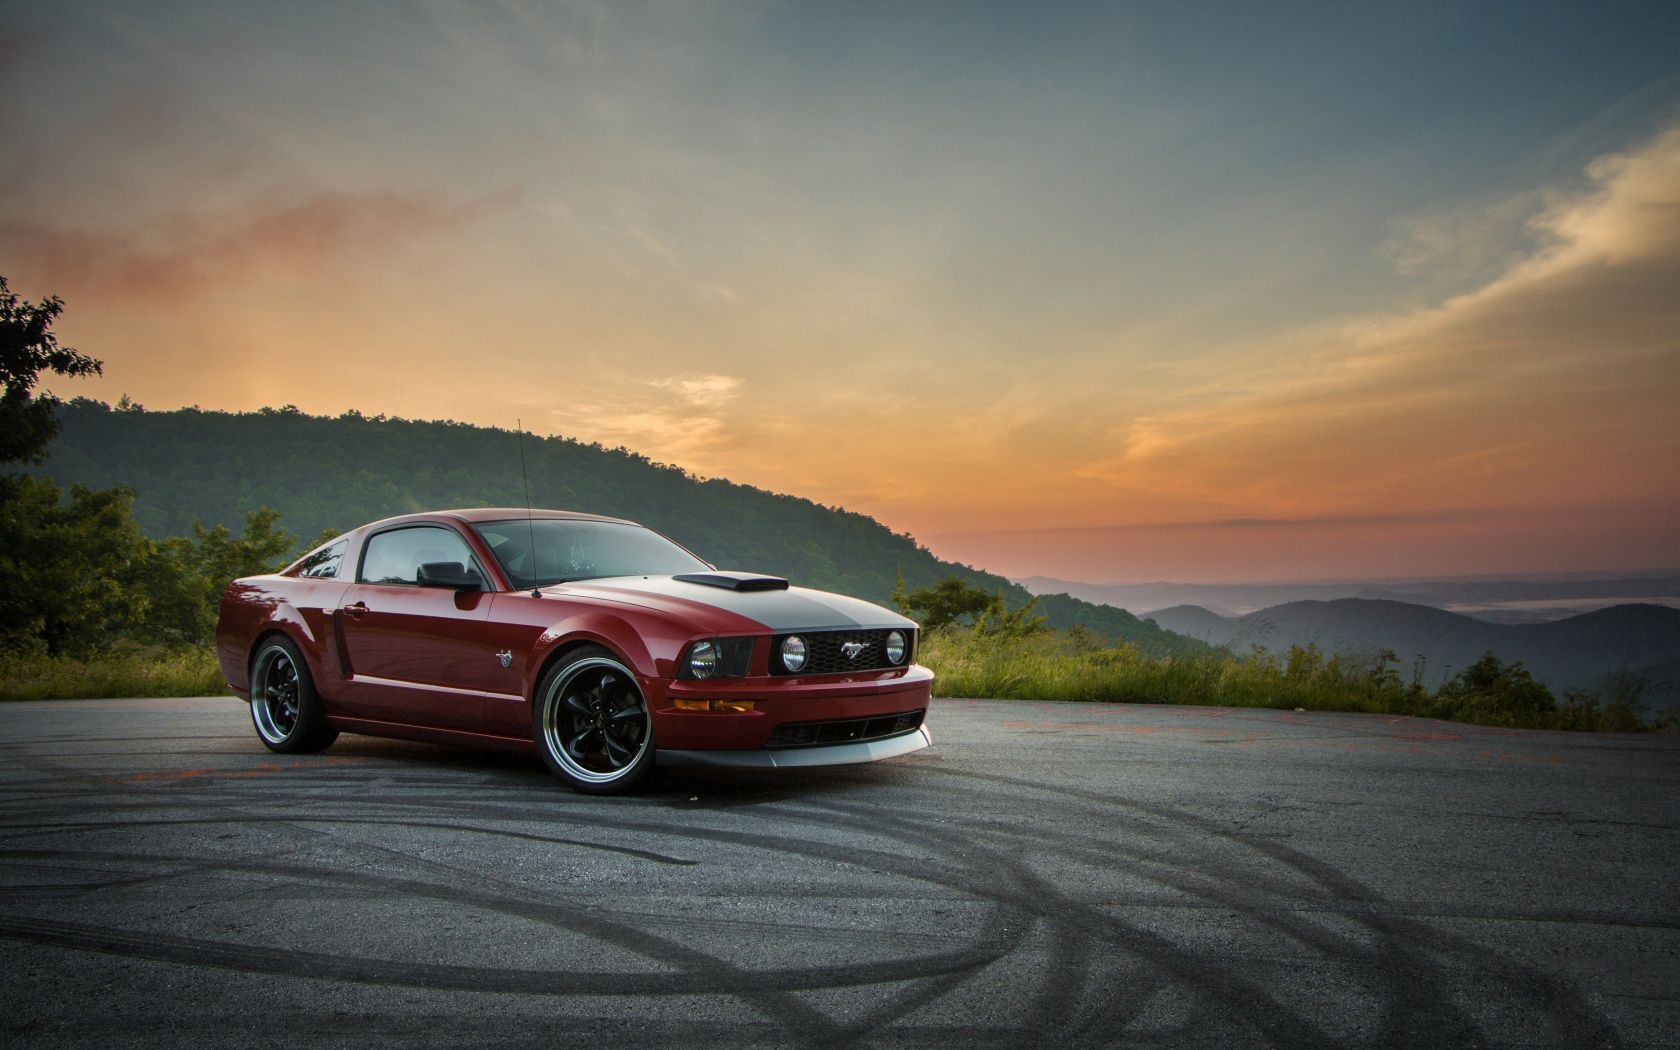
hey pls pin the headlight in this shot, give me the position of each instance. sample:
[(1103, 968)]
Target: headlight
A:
[(895, 647), (793, 653), (702, 659)]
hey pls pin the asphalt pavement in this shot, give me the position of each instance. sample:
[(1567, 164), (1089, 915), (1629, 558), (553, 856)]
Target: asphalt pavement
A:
[(1045, 875)]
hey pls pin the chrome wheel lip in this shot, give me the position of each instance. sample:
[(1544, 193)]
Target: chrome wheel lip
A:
[(275, 703), (556, 732)]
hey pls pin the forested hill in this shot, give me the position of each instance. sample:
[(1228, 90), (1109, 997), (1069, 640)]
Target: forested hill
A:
[(320, 472)]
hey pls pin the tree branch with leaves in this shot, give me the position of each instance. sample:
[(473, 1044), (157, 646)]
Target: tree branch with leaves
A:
[(28, 347)]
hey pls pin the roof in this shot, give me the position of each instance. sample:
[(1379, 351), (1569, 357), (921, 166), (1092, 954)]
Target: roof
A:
[(476, 515)]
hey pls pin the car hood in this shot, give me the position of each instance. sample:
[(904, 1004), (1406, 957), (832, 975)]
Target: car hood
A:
[(720, 609)]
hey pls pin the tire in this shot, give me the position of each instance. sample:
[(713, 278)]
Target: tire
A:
[(284, 705), (592, 724)]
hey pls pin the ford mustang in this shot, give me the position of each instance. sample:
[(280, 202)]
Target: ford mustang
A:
[(599, 644)]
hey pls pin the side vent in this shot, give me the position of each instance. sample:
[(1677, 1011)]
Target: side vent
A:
[(735, 581)]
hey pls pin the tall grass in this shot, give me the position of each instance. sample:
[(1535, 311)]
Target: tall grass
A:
[(1054, 665), (1049, 665), (118, 672)]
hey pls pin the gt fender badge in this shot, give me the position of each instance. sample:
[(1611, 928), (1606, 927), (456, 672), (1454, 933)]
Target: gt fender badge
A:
[(505, 657)]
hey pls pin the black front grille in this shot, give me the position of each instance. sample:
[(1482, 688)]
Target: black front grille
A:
[(844, 730), (825, 651)]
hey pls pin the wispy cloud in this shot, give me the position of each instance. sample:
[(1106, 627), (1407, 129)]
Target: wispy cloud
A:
[(1559, 372), (678, 418), (701, 390), (1472, 242)]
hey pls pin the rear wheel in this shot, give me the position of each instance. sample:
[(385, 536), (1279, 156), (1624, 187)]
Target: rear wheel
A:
[(592, 724), (284, 706)]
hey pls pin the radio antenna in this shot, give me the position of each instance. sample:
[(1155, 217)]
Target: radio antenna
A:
[(530, 525)]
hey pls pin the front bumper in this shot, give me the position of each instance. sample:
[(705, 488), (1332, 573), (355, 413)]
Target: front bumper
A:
[(777, 701), (797, 757)]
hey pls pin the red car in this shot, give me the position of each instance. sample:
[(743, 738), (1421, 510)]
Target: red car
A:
[(599, 644)]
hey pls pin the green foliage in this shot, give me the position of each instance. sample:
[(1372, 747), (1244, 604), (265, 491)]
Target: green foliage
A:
[(948, 601), (1495, 693), (184, 578), (1073, 665), (66, 566), (76, 574), (1616, 712), (953, 601), (28, 347), (999, 620)]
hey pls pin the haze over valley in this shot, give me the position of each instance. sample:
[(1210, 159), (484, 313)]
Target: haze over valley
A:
[(1531, 598)]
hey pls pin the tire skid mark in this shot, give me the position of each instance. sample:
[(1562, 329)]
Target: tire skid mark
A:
[(1070, 947), (1207, 887), (288, 962), (1069, 955), (1215, 891), (795, 1016), (773, 1002), (1565, 1004), (50, 890), (777, 1003), (998, 943), (995, 928), (714, 976), (628, 851), (1074, 921), (1416, 998)]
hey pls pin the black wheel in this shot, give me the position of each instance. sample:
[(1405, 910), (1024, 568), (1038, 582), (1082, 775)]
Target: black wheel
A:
[(284, 706), (592, 724)]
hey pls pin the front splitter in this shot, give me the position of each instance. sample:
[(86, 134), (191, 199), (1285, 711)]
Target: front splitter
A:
[(798, 757)]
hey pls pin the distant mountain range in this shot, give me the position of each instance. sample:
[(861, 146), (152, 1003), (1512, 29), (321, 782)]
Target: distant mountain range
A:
[(1574, 652), (1525, 599)]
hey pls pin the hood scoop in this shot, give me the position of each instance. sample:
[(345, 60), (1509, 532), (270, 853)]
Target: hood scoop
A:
[(734, 581)]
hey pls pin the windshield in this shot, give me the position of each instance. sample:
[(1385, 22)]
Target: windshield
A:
[(581, 550)]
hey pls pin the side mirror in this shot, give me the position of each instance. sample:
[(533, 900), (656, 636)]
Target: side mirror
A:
[(451, 574)]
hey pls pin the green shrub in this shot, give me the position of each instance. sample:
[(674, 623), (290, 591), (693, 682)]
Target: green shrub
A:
[(124, 670), (1056, 665)]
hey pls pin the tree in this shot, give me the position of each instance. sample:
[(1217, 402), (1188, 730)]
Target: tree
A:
[(1492, 692), (952, 600), (945, 602), (27, 348), (67, 567), (998, 619), (184, 577), (62, 563)]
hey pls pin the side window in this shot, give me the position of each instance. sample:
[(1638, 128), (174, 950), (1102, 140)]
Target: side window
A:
[(396, 556), (324, 563)]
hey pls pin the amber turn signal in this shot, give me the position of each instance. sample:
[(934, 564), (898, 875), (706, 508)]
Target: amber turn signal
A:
[(714, 705)]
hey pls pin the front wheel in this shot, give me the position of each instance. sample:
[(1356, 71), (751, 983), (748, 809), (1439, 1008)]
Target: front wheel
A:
[(284, 705), (592, 724)]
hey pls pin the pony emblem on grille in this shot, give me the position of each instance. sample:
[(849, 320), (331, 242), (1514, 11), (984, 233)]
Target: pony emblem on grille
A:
[(853, 649)]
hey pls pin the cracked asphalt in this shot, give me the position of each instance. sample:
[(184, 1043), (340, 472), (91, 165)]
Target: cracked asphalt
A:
[(1046, 874)]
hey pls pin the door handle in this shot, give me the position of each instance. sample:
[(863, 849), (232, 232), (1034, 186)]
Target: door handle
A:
[(356, 610)]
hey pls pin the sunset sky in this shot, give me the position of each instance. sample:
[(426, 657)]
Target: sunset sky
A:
[(1101, 292)]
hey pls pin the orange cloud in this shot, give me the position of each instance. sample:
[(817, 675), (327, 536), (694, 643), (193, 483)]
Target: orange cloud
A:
[(183, 254), (679, 418)]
